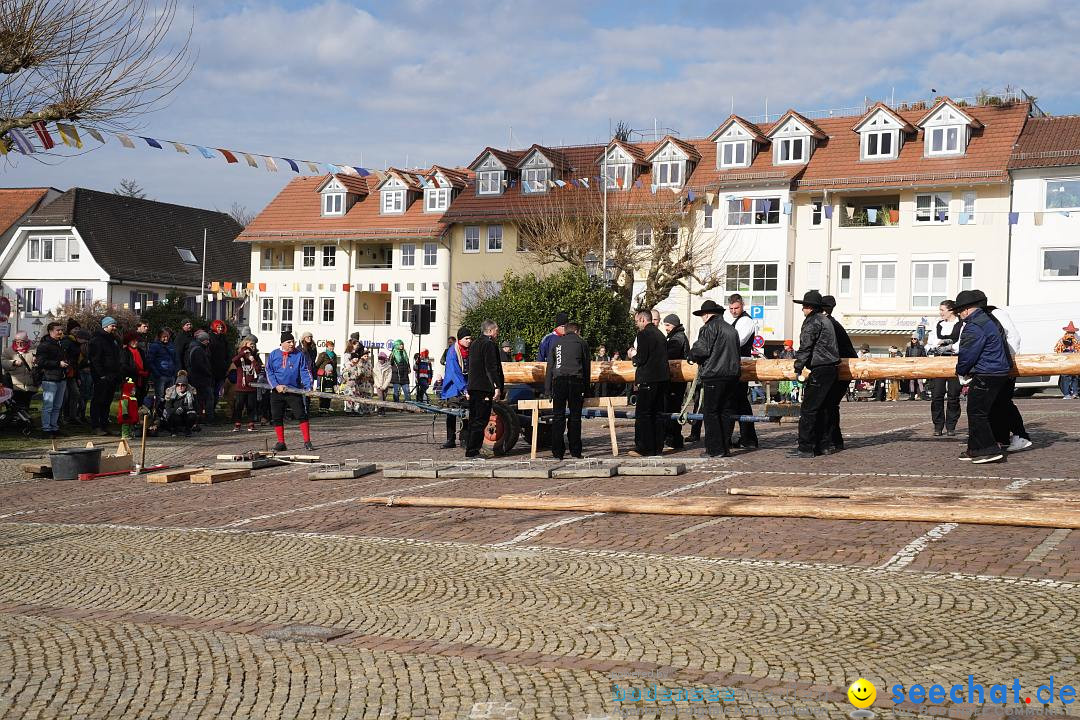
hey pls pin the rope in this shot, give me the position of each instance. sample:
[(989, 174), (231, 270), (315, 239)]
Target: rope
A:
[(688, 401)]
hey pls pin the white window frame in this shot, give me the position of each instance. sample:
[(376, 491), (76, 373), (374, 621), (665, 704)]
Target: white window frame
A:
[(305, 257), (932, 296), (969, 206), (469, 231), (708, 216), (757, 208), (967, 274), (663, 171), (1047, 183), (393, 202), (433, 306), (307, 309), (936, 201), (817, 213), (327, 310), (643, 236), (407, 305), (751, 280), (879, 299), (286, 310), (266, 318), (879, 135), (431, 254), (78, 296), (734, 146), (74, 250), (33, 249), (843, 284), (1057, 278), (535, 179), (494, 237), (615, 172), (329, 256), (47, 249), (959, 135), (408, 255), (489, 182), (333, 204), (436, 199), (788, 145)]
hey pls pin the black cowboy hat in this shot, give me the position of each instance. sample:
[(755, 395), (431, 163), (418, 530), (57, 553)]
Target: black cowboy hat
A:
[(709, 307), (812, 297), (828, 302), (969, 298)]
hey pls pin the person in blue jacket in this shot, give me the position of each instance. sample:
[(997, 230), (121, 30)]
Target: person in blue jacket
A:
[(455, 380), (163, 362), (984, 358), (288, 368), (548, 340)]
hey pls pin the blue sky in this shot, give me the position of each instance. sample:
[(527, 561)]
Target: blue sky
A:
[(376, 83)]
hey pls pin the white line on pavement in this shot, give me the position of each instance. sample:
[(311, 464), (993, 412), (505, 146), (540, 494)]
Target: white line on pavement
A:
[(699, 526), (909, 552), (1047, 545)]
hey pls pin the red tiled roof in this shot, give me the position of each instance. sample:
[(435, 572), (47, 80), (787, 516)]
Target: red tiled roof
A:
[(555, 157), (509, 158), (907, 126), (750, 127), (458, 177), (1048, 142), (631, 149), (683, 145), (16, 202), (815, 131), (974, 121), (296, 213)]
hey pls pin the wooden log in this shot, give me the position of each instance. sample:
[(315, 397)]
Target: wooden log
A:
[(170, 476), (209, 477), (894, 491), (901, 368), (404, 407), (1013, 514)]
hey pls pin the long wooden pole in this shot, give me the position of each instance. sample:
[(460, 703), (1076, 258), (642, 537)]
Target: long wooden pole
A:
[(405, 407), (854, 369), (1026, 514), (900, 491)]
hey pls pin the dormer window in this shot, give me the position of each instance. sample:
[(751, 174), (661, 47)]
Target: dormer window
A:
[(490, 175), (877, 144), (333, 203), (791, 150), (734, 154), (616, 168), (881, 133), (792, 139), (436, 199), (944, 140), (535, 180), (672, 161), (947, 129), (393, 202)]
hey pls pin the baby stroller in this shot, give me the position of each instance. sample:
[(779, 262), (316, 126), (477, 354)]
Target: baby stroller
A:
[(13, 416)]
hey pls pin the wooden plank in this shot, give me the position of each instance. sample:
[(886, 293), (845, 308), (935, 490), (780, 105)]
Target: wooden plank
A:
[(209, 477), (176, 475), (893, 491), (535, 432), (36, 468), (611, 426), (546, 403), (345, 474), (256, 464)]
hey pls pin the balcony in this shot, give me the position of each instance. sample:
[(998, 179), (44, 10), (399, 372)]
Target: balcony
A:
[(870, 212), (370, 257), (372, 308), (276, 259)]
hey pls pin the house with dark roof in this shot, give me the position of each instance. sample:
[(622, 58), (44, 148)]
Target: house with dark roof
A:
[(344, 254), (87, 246), (1044, 260)]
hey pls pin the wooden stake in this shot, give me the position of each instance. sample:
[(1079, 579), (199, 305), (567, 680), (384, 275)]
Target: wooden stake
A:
[(142, 458), (899, 491)]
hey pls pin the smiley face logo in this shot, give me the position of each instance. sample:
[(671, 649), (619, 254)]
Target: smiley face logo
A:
[(862, 693)]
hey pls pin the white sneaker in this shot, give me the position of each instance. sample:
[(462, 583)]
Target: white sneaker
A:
[(1018, 443), (987, 459)]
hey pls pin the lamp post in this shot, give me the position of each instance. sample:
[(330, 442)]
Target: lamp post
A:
[(592, 265)]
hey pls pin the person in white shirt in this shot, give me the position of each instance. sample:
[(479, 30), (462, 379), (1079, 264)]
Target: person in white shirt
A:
[(739, 402), (942, 341)]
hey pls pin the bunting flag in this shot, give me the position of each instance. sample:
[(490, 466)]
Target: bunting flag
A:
[(747, 204), (787, 209), (850, 210), (21, 143), (871, 215), (346, 287), (205, 152), (215, 286), (894, 216), (96, 135), (690, 196), (227, 285), (43, 135), (271, 166), (292, 164), (709, 197), (941, 215), (313, 168), (652, 189), (362, 172), (152, 142), (125, 140), (251, 286), (229, 157), (1014, 218), (69, 135), (962, 219), (262, 287), (828, 212), (1038, 218), (180, 148), (585, 182), (250, 160)]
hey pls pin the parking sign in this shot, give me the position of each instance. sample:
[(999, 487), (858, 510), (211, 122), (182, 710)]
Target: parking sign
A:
[(757, 312)]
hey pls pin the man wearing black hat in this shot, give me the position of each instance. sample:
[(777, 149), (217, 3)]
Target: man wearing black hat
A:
[(651, 376), (818, 355), (717, 353), (549, 339), (567, 383), (739, 401), (834, 437), (984, 356), (678, 348)]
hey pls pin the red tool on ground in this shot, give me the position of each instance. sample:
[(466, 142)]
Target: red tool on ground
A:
[(95, 476)]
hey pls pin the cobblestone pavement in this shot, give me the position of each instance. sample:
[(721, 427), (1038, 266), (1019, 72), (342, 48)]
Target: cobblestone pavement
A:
[(274, 596)]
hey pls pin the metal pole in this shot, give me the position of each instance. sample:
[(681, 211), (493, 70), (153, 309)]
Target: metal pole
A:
[(202, 284), (604, 181)]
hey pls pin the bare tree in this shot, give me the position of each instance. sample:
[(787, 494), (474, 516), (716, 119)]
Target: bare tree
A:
[(102, 63), (130, 188), (622, 131), (240, 214), (653, 238)]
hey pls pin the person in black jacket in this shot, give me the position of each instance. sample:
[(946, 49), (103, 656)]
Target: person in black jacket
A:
[(678, 348), (183, 339), (567, 383), (717, 354), (201, 374), (834, 437), (52, 362), (485, 384), (944, 339), (818, 356), (104, 352), (651, 377), (220, 357)]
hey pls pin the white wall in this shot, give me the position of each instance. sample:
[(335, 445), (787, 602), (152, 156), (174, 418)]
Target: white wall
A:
[(1026, 281)]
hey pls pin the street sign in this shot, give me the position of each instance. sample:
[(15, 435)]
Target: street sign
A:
[(5, 329), (757, 312), (759, 341)]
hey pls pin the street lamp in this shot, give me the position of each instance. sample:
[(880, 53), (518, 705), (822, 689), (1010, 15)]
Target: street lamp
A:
[(592, 264)]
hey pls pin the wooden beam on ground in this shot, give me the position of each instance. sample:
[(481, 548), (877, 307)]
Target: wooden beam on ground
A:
[(37, 469), (1012, 514), (176, 475), (898, 491), (902, 368), (210, 477)]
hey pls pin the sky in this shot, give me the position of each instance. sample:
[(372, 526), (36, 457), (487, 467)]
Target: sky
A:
[(425, 81)]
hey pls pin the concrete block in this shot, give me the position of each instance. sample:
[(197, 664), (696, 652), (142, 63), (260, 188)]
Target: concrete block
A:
[(342, 474), (427, 473), (584, 471), (462, 471), (524, 471), (257, 464), (646, 469)]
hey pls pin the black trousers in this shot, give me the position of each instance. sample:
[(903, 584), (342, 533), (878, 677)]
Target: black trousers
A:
[(649, 423), (814, 413), (945, 414), (280, 401), (104, 389), (181, 421), (715, 404), (479, 415), (206, 399), (984, 395), (566, 392), (739, 404), (834, 437), (245, 401), (673, 404), (1005, 417)]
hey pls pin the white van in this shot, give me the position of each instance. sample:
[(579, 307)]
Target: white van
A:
[(1040, 329)]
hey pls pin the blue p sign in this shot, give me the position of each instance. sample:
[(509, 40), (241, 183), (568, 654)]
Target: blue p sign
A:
[(757, 312)]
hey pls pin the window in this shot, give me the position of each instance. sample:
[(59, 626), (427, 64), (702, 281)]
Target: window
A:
[(286, 312), (33, 249), (881, 211), (669, 174), (267, 314), (185, 254), (48, 249), (944, 140), (73, 250), (31, 299), (735, 154), (932, 208), (334, 204), (878, 286), (408, 255), (489, 182), (436, 200), (929, 283), (522, 243), (472, 239), (707, 216), (813, 275), (969, 205), (329, 256), (277, 259), (407, 305), (844, 278), (879, 144), (328, 310), (754, 211), (535, 180), (494, 238), (1063, 194), (431, 254), (815, 213), (671, 235), (431, 303), (643, 236), (309, 256), (967, 274), (791, 150), (393, 201), (79, 296), (388, 312), (618, 176), (307, 310), (1060, 263), (140, 300), (756, 282)]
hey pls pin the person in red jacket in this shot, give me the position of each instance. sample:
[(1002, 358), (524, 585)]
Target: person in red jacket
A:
[(248, 367), (133, 365)]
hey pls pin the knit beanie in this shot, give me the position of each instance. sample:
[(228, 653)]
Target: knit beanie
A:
[(561, 319), (673, 319), (181, 378), (107, 321), (463, 332), (287, 336)]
